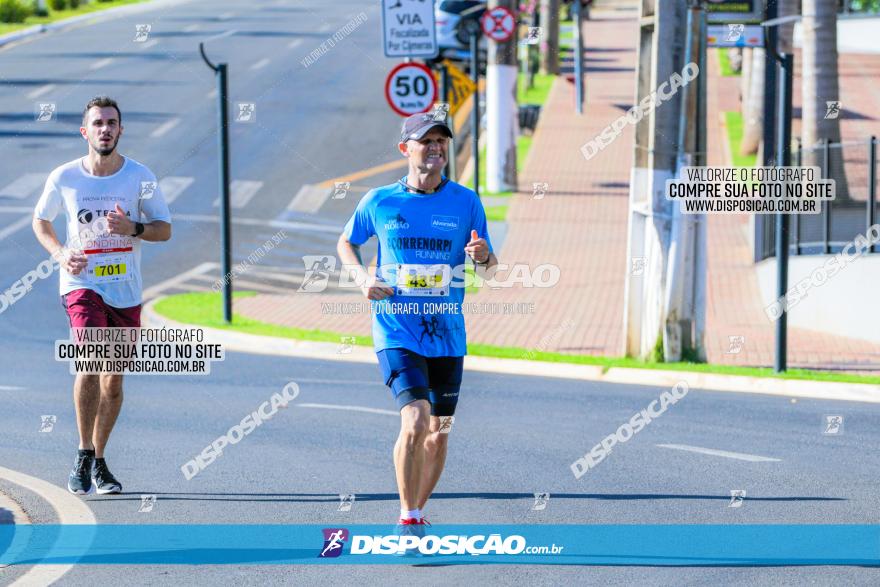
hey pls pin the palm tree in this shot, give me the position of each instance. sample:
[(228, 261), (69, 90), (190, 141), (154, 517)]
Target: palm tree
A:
[(753, 99), (820, 84)]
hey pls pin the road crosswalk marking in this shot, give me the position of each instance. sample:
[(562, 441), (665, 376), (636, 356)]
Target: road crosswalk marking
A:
[(163, 128), (720, 453), (16, 226), (41, 90), (240, 192), (101, 63), (309, 199), (24, 186), (172, 186), (261, 63)]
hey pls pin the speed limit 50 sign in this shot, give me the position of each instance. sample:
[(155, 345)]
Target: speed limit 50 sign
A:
[(411, 89)]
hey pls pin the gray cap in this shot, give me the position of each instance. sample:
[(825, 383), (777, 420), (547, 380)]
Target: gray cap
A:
[(418, 125)]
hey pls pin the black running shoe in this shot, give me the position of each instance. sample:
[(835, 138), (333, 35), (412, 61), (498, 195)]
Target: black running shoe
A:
[(105, 482), (80, 480)]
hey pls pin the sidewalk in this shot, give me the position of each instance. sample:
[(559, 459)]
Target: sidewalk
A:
[(733, 305)]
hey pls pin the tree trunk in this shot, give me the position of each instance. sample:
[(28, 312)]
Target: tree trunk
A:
[(753, 106), (820, 86), (550, 36)]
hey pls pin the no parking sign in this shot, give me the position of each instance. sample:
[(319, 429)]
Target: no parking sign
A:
[(411, 89), (498, 24)]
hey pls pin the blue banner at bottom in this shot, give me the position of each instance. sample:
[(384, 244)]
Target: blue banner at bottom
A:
[(655, 545)]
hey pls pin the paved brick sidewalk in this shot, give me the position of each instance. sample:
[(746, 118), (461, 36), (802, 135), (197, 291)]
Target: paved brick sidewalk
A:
[(580, 225), (733, 301)]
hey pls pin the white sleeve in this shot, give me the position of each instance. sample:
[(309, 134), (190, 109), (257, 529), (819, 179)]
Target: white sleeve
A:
[(50, 202), (154, 207)]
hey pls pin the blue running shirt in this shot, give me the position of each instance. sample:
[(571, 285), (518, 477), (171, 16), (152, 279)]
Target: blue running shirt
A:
[(421, 254)]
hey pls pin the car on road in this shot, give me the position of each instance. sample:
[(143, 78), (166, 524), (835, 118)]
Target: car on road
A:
[(453, 19)]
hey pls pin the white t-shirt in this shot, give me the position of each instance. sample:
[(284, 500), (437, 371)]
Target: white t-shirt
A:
[(114, 268)]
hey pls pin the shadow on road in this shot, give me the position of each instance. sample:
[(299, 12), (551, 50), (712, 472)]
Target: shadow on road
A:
[(361, 497)]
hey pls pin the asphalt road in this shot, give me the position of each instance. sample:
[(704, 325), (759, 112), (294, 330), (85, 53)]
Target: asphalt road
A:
[(514, 436)]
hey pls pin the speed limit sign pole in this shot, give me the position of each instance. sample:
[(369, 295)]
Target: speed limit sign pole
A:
[(499, 25)]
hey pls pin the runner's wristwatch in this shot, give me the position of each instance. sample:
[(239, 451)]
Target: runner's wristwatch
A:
[(138, 229)]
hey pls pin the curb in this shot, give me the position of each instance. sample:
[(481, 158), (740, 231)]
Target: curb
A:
[(285, 347), (96, 16), (70, 510)]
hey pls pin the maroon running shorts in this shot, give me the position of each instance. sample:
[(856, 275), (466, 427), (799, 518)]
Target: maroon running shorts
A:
[(86, 309)]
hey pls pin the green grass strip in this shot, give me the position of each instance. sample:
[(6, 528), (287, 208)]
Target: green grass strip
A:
[(735, 128), (205, 309), (724, 62), (56, 15)]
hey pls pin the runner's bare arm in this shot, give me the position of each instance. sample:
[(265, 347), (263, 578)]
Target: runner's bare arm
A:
[(350, 255), (478, 250), (155, 231), (72, 261)]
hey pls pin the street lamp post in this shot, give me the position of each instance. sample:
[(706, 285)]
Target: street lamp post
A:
[(223, 145), (785, 82)]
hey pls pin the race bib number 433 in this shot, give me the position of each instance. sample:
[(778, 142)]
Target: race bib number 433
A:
[(423, 280)]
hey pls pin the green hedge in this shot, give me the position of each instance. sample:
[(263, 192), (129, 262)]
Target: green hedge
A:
[(14, 11)]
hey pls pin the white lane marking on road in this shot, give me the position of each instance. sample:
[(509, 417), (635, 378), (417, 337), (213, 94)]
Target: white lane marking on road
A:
[(309, 199), (240, 192), (24, 186), (11, 388), (163, 128), (720, 453), (304, 226), (41, 90), (102, 63), (336, 381), (294, 43), (70, 510), (157, 289), (16, 226), (150, 43), (192, 27), (348, 408), (172, 186), (261, 63)]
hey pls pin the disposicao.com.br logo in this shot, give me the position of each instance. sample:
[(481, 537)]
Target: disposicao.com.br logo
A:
[(450, 544)]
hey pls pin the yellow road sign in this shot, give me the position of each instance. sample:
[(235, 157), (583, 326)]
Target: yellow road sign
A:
[(461, 87)]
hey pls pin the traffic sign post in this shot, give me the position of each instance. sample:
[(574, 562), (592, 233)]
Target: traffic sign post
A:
[(411, 89), (475, 111), (579, 58), (409, 29), (460, 87), (446, 92)]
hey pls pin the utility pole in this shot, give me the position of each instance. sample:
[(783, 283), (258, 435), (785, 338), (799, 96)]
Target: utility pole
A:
[(662, 32), (550, 36), (501, 109)]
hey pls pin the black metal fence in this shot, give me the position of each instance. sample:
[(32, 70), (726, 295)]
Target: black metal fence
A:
[(853, 166)]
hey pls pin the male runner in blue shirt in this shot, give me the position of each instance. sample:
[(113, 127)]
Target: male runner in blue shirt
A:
[(426, 225)]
